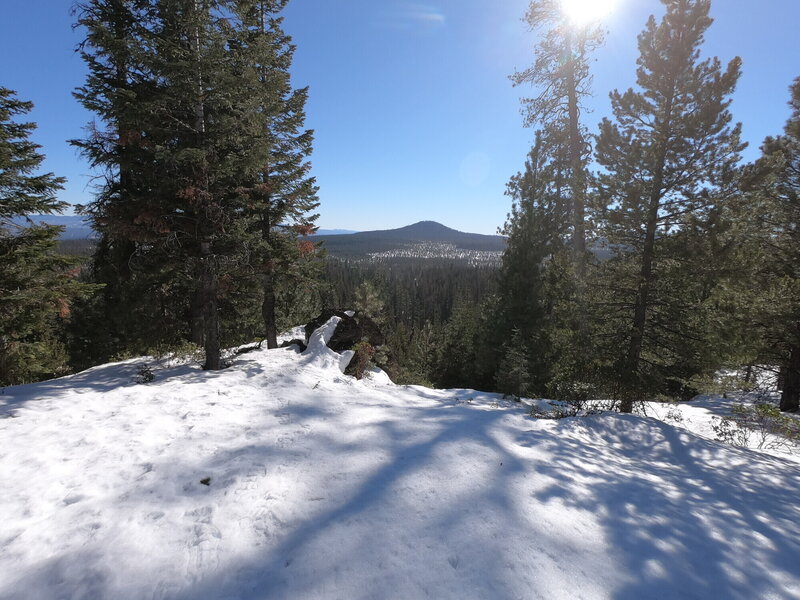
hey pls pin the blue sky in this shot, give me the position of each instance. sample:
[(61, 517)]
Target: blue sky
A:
[(415, 117)]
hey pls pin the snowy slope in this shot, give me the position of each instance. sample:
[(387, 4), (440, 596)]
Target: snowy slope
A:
[(322, 486)]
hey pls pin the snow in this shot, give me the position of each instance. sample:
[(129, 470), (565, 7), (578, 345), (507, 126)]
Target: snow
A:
[(322, 486), (704, 412), (319, 356)]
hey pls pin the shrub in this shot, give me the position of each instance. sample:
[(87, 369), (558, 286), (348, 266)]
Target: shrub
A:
[(762, 425), (144, 374), (364, 351)]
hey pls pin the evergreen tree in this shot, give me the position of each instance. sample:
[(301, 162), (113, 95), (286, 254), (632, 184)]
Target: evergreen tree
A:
[(140, 258), (561, 72), (534, 230), (36, 284), (555, 187), (205, 170), (774, 183), (369, 301), (282, 195), (462, 351), (666, 158), (513, 374)]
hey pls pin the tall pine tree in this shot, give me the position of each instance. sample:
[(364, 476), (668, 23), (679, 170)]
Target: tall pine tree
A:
[(665, 156), (535, 229), (281, 195), (202, 145), (773, 210), (36, 284), (561, 73), (556, 204)]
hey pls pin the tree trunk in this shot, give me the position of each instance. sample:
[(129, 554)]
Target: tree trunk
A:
[(631, 368), (576, 168), (4, 352), (790, 395), (633, 358), (196, 325), (268, 283), (208, 291), (208, 278), (268, 310)]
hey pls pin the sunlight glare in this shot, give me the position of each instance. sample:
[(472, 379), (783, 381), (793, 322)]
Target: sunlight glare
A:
[(583, 12)]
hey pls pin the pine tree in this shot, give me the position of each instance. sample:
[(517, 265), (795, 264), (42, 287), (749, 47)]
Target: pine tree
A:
[(513, 374), (461, 356), (774, 201), (666, 157), (206, 179), (139, 258), (535, 229), (561, 71), (369, 301), (36, 284), (282, 195), (548, 236)]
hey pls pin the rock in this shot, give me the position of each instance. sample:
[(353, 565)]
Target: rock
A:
[(295, 342), (350, 331)]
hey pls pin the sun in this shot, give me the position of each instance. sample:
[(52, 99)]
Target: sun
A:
[(583, 12)]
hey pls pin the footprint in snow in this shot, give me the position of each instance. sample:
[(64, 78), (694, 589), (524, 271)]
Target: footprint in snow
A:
[(203, 545)]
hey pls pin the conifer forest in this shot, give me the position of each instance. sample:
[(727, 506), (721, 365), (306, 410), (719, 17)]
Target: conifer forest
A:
[(643, 257)]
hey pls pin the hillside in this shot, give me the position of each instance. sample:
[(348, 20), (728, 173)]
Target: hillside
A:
[(282, 478), (75, 227), (426, 239)]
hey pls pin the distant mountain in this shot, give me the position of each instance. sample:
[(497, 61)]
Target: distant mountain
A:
[(78, 228), (404, 241), (75, 227), (335, 231)]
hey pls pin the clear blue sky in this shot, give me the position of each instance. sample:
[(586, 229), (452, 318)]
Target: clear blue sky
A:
[(414, 114)]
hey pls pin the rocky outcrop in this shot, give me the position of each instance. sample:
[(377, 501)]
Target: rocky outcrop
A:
[(295, 342), (351, 330)]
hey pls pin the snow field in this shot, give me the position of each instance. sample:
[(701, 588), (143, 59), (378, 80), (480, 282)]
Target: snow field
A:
[(322, 486)]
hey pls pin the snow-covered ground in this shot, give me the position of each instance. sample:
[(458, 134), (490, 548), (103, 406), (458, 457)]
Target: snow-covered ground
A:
[(321, 486)]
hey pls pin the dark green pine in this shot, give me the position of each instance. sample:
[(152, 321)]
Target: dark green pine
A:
[(37, 285), (281, 195), (664, 156)]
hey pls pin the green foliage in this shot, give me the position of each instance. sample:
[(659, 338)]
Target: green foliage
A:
[(362, 359), (22, 192), (37, 285), (369, 301), (415, 292), (543, 279), (513, 374), (465, 355), (669, 159), (535, 228), (206, 193), (145, 374), (412, 353), (772, 211)]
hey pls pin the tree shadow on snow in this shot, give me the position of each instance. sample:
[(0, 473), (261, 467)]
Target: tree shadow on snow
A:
[(296, 564), (689, 521), (451, 487)]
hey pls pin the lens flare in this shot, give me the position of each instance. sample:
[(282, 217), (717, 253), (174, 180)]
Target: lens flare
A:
[(583, 12)]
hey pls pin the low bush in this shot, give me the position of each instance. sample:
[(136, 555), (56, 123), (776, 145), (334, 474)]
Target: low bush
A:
[(761, 425)]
